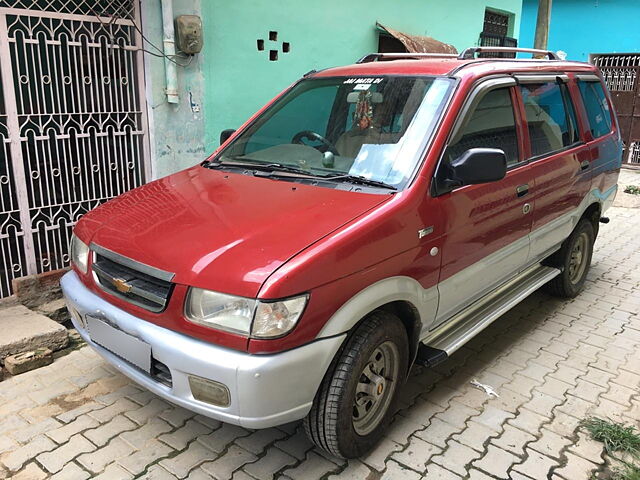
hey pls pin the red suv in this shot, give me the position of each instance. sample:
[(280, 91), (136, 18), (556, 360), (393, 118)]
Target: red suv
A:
[(370, 217)]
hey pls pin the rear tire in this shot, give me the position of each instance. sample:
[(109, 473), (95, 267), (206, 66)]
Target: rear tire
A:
[(358, 395), (574, 259)]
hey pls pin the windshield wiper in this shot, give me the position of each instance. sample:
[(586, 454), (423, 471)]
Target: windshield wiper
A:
[(279, 167), (359, 179), (266, 167), (272, 169)]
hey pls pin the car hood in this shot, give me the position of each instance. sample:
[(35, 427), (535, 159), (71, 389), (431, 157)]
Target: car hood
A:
[(221, 231)]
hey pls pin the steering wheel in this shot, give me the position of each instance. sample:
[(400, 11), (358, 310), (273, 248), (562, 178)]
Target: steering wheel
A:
[(313, 136)]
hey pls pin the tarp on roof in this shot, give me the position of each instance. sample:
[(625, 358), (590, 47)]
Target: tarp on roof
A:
[(419, 43)]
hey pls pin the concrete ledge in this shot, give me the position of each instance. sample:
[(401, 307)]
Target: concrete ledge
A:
[(24, 330), (56, 310)]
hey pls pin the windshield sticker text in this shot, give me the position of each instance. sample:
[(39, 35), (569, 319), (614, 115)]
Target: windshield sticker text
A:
[(370, 81)]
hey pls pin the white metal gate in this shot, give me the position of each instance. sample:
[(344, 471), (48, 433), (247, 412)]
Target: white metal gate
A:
[(621, 72), (73, 127)]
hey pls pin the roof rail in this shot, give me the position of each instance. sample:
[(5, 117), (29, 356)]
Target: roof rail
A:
[(470, 53), (376, 57)]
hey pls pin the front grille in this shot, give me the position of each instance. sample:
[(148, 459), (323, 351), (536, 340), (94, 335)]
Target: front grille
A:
[(132, 281)]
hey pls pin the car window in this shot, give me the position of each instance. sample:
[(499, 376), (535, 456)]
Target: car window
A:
[(550, 115), (347, 126), (291, 118), (595, 102), (490, 125)]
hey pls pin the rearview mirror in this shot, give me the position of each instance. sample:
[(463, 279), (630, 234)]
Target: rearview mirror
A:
[(225, 134)]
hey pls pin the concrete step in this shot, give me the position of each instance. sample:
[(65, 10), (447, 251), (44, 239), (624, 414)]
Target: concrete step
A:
[(56, 310), (24, 330)]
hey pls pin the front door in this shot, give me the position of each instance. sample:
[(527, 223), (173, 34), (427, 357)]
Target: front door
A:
[(486, 238)]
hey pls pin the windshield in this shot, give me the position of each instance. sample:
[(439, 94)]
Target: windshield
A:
[(371, 127)]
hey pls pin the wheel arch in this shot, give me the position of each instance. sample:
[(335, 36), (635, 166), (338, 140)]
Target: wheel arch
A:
[(410, 318), (593, 213), (402, 296)]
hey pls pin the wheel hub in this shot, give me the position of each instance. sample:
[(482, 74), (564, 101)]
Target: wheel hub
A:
[(578, 258), (374, 391)]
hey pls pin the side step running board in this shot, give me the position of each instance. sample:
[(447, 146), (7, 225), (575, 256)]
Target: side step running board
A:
[(455, 332)]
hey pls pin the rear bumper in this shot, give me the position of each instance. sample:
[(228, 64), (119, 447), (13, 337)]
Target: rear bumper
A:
[(265, 390)]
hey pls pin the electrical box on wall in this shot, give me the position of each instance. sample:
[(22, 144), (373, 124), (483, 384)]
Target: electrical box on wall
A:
[(189, 34)]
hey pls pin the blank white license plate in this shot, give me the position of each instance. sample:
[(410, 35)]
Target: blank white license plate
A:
[(122, 344)]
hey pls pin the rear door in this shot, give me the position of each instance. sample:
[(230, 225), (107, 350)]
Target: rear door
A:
[(558, 158), (601, 135), (486, 239)]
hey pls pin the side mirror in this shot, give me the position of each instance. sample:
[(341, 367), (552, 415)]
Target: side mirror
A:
[(225, 134), (476, 165), (480, 165)]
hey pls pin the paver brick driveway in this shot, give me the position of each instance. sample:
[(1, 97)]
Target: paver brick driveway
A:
[(551, 362)]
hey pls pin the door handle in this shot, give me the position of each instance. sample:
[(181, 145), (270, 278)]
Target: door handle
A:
[(522, 190), (584, 164)]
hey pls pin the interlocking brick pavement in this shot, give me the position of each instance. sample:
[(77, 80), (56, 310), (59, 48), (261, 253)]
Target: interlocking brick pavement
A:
[(552, 362)]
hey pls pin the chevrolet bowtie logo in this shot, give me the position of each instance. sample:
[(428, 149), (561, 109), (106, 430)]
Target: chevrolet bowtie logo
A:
[(121, 285)]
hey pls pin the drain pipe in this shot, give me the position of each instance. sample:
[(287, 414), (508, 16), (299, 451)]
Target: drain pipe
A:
[(168, 41)]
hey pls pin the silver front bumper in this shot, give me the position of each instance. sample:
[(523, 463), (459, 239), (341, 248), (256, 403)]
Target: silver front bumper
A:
[(265, 390)]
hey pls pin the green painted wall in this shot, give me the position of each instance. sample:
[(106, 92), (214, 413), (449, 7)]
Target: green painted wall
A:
[(176, 130), (239, 79)]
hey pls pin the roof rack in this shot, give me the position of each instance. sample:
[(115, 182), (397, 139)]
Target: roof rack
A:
[(470, 53), (376, 57)]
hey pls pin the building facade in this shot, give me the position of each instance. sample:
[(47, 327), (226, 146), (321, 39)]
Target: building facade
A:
[(586, 27), (605, 33), (89, 111), (241, 77)]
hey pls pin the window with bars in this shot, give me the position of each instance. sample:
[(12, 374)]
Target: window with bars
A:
[(495, 33)]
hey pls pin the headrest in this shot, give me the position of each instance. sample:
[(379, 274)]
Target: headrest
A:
[(352, 97)]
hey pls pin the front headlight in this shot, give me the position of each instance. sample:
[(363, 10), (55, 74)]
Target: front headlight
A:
[(243, 315), (79, 252), (217, 310)]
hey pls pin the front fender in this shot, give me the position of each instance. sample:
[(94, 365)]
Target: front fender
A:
[(392, 289)]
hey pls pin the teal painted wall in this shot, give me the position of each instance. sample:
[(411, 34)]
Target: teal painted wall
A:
[(176, 131), (581, 27), (240, 79)]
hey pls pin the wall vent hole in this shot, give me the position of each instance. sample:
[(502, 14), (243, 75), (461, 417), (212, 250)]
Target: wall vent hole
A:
[(273, 36), (286, 47), (273, 55), (260, 43)]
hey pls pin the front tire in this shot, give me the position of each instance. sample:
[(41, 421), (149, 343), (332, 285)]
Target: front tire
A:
[(358, 395), (574, 259)]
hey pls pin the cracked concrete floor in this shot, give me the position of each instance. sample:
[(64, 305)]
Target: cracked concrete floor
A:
[(552, 363)]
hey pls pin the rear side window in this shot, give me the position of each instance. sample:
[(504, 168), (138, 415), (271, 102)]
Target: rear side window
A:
[(551, 118), (490, 125), (595, 102)]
